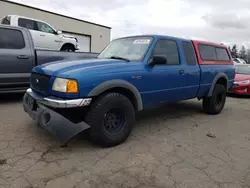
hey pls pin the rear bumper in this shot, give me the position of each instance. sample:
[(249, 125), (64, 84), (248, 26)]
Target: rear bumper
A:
[(58, 125)]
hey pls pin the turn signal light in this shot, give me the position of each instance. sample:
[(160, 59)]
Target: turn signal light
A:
[(72, 86)]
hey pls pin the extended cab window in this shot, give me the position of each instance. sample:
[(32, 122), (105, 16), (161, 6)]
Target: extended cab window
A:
[(11, 39), (169, 49), (222, 54), (207, 52), (189, 53), (26, 23), (45, 28)]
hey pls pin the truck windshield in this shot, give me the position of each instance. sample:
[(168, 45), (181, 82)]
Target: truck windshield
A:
[(242, 69), (130, 49)]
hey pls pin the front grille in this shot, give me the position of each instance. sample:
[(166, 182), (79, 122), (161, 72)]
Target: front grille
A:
[(39, 82)]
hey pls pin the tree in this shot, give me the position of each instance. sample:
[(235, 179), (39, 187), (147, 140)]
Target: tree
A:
[(248, 56), (243, 54), (234, 51), (229, 48)]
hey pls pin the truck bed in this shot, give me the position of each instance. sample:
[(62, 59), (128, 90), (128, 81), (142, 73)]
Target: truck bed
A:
[(18, 57)]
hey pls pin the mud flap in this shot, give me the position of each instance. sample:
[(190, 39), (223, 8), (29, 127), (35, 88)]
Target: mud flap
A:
[(59, 126)]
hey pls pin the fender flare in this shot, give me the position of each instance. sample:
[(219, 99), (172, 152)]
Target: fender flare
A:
[(217, 77), (118, 83)]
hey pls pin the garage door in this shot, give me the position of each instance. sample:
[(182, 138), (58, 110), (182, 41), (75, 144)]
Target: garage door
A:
[(83, 42)]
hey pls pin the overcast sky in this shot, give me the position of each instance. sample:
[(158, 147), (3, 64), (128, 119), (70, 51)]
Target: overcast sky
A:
[(214, 20)]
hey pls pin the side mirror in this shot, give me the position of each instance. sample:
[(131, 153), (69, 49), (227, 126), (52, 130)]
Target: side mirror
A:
[(158, 60), (59, 32)]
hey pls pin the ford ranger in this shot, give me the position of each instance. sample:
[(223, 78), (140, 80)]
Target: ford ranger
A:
[(131, 74)]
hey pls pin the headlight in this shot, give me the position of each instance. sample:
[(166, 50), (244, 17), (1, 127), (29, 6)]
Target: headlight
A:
[(243, 82), (65, 85)]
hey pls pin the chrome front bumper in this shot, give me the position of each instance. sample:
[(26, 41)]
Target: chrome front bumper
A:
[(59, 103)]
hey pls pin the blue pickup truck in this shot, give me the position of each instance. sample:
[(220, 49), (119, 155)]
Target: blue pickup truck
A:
[(131, 74)]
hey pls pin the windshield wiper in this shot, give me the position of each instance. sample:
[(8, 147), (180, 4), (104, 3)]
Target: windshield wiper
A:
[(117, 57)]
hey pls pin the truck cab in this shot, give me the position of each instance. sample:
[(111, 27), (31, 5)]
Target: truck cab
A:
[(131, 74)]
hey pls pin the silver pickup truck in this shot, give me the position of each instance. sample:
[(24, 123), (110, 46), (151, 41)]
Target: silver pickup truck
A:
[(18, 57)]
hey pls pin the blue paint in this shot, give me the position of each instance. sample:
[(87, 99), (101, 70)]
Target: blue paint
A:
[(158, 84)]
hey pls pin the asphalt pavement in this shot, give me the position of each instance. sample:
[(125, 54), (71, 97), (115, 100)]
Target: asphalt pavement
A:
[(176, 145)]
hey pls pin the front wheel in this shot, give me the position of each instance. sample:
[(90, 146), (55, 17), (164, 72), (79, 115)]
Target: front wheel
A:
[(111, 118), (215, 103), (68, 48)]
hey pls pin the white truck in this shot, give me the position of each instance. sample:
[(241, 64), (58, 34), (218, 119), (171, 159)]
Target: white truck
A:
[(239, 61), (44, 35)]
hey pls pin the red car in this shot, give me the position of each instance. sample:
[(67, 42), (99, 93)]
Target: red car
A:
[(242, 80)]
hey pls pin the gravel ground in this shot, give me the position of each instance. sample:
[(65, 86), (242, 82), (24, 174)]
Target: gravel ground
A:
[(173, 146)]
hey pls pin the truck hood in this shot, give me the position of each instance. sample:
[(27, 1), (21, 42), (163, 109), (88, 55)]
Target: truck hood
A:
[(69, 36), (92, 66)]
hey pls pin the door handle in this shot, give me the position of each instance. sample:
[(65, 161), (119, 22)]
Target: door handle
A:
[(23, 57), (181, 72), (42, 35)]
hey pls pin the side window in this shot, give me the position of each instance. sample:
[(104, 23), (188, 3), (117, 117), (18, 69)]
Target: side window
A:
[(45, 28), (11, 39), (189, 53), (207, 52), (169, 49), (26, 23), (6, 20), (222, 54)]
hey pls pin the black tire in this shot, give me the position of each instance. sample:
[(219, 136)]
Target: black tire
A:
[(215, 103), (102, 123), (68, 48)]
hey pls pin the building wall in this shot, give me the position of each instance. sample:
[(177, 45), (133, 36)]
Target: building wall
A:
[(100, 35)]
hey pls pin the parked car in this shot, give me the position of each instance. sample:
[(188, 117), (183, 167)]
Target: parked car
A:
[(242, 80), (18, 57), (239, 61), (43, 34), (235, 62), (131, 74)]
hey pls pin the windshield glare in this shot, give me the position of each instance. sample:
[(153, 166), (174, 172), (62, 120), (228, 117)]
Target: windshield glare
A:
[(133, 48), (241, 69)]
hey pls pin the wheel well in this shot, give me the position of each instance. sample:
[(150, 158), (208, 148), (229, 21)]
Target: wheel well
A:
[(126, 92), (67, 44), (222, 81)]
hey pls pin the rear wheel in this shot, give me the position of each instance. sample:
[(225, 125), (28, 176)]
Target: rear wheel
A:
[(215, 103), (111, 118)]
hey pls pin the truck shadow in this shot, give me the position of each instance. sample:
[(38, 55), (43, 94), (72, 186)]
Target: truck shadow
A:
[(174, 110), (163, 113)]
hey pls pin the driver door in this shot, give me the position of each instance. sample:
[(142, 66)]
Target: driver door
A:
[(166, 82)]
